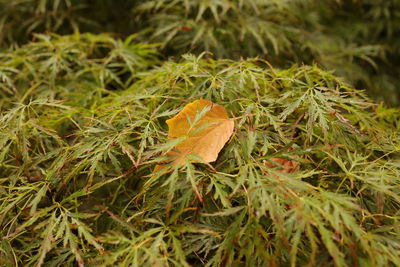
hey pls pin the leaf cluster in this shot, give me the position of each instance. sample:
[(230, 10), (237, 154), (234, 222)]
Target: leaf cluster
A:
[(357, 39), (82, 127)]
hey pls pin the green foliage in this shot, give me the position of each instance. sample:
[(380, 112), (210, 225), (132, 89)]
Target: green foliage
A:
[(82, 127), (21, 17), (357, 39)]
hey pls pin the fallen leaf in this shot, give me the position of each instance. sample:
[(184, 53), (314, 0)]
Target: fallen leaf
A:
[(283, 165), (205, 127)]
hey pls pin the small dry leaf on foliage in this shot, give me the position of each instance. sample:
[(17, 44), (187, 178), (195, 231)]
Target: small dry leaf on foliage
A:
[(282, 165), (205, 127)]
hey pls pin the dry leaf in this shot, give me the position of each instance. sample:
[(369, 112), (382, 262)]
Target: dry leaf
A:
[(283, 165), (206, 128)]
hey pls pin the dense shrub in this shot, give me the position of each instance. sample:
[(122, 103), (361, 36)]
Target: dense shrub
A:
[(82, 127), (358, 39)]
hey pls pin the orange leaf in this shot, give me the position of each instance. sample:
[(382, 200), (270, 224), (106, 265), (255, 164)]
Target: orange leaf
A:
[(283, 165), (205, 127)]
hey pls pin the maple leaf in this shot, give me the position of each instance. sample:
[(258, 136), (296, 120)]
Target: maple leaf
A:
[(205, 128), (283, 165)]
